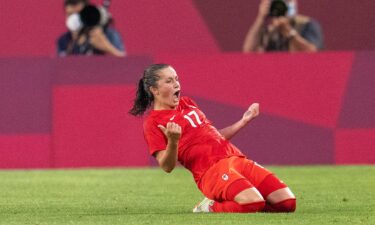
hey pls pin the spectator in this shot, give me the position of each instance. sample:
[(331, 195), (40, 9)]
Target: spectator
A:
[(278, 27), (88, 40)]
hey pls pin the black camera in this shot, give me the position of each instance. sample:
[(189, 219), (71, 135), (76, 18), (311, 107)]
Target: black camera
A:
[(92, 16), (278, 8)]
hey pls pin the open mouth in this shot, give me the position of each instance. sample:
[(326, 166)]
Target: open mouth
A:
[(177, 94)]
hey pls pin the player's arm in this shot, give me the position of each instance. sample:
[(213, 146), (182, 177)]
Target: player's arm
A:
[(167, 158), (251, 113)]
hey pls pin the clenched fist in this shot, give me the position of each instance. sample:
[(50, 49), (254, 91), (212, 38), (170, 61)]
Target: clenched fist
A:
[(172, 131), (251, 113)]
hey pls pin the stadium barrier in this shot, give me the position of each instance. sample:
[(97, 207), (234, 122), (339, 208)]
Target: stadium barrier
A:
[(72, 112)]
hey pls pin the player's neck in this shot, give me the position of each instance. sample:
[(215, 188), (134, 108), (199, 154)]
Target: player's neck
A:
[(158, 106)]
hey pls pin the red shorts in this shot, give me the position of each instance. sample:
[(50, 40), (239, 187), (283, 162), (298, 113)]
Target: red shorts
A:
[(238, 171)]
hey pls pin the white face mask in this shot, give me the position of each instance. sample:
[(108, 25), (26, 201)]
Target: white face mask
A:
[(73, 22), (292, 9)]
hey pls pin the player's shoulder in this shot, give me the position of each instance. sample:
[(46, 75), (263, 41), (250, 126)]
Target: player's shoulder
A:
[(187, 102), (155, 117), (148, 121)]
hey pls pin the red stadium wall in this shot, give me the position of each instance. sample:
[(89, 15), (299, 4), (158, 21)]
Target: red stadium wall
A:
[(30, 28), (316, 108)]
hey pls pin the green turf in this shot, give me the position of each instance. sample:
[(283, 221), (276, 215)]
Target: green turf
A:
[(326, 195)]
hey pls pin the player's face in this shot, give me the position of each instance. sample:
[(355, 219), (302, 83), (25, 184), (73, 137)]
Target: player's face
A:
[(167, 93)]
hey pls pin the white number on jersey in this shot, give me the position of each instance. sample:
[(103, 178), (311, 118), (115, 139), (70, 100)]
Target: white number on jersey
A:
[(190, 119)]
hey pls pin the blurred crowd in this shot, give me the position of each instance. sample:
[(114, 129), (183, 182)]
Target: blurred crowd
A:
[(277, 27)]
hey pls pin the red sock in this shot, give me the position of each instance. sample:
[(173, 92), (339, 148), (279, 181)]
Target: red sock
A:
[(232, 206), (288, 205)]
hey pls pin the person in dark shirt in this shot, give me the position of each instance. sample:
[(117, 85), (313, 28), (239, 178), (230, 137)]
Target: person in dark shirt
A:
[(97, 40), (286, 32)]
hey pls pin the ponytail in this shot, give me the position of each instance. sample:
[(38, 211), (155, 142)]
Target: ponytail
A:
[(144, 97), (142, 100)]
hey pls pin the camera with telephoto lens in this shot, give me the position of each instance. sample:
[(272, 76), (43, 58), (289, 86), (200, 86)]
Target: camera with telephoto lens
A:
[(92, 16), (278, 8)]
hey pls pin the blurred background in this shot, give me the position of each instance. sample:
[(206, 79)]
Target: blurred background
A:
[(188, 26), (72, 112)]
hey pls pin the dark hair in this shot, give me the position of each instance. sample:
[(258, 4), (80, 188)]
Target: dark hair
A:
[(144, 97), (75, 2)]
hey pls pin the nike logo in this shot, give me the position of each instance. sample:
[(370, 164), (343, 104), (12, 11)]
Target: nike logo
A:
[(172, 117)]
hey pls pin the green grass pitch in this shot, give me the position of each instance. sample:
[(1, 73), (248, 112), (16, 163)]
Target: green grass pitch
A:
[(326, 195)]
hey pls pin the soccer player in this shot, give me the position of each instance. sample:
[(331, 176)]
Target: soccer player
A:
[(176, 129)]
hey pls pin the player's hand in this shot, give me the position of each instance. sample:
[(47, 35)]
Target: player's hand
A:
[(251, 113), (172, 131)]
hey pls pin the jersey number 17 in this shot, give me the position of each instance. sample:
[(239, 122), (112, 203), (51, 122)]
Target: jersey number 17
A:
[(193, 115)]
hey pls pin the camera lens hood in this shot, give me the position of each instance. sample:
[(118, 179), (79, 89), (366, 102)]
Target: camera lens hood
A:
[(90, 16), (278, 8)]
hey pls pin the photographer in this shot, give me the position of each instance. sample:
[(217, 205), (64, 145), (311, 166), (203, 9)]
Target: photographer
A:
[(89, 31), (278, 28)]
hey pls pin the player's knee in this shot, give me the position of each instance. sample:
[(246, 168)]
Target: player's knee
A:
[(288, 205), (243, 192), (254, 207), (250, 195)]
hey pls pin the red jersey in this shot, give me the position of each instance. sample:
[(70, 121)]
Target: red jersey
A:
[(200, 145)]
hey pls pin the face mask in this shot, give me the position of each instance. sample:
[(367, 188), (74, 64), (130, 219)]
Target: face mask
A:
[(292, 9), (73, 22)]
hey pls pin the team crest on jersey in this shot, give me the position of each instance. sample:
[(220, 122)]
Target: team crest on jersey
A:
[(225, 177)]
